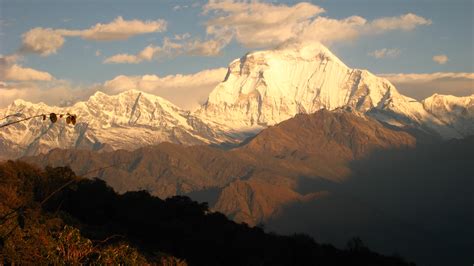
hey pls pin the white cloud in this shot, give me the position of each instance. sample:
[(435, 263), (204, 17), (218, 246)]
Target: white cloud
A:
[(123, 59), (178, 7), (147, 54), (405, 22), (256, 24), (19, 73), (423, 77), (385, 53), (46, 41), (328, 30), (181, 37), (53, 92), (421, 86), (42, 41), (118, 29), (205, 48), (186, 91), (440, 59), (11, 71)]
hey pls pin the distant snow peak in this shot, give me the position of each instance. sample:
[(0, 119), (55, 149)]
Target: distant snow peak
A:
[(128, 120)]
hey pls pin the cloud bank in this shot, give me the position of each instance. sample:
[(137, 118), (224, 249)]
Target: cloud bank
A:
[(421, 86), (186, 91)]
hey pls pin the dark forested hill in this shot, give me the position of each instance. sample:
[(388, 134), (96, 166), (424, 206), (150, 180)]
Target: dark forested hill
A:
[(51, 216)]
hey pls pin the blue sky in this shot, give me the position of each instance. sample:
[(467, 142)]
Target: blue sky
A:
[(80, 61)]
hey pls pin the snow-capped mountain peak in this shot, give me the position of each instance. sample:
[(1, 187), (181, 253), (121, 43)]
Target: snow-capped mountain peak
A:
[(266, 87), (458, 112)]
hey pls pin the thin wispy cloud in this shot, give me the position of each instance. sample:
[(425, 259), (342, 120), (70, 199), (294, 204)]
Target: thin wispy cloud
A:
[(385, 53), (181, 45), (440, 59)]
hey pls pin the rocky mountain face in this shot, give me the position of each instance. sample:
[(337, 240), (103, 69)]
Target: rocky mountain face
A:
[(252, 182), (266, 87), (128, 120)]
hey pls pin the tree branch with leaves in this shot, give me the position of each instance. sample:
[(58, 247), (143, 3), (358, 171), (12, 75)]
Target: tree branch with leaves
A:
[(53, 117)]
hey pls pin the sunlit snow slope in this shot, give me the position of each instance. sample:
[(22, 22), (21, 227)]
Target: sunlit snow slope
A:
[(125, 121), (266, 87)]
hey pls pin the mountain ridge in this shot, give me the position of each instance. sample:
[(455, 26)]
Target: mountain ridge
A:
[(127, 120), (260, 89)]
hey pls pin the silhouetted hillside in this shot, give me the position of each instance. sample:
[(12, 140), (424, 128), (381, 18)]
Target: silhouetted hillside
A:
[(41, 213)]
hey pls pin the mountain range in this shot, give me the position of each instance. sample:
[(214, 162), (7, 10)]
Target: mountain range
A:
[(260, 89)]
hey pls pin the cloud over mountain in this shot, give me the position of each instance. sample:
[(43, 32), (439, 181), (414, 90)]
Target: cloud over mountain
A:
[(423, 85), (256, 24), (186, 91)]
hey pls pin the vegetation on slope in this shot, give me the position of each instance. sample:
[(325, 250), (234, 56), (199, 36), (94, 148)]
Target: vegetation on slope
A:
[(51, 216)]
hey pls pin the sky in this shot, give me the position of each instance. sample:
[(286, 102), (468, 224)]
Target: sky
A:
[(63, 51)]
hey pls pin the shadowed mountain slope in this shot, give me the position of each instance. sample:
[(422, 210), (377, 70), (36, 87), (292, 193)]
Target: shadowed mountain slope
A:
[(254, 180)]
